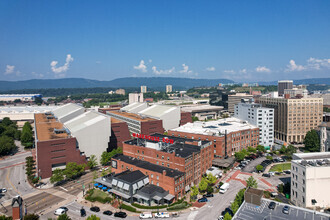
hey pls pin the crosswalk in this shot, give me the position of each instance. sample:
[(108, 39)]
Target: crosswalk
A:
[(257, 209)]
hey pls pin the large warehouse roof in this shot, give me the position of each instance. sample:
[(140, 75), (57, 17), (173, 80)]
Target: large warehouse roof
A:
[(135, 107), (66, 110), (217, 128), (84, 120), (158, 110)]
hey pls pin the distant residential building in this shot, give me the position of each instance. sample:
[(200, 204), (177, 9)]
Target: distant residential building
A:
[(143, 89), (120, 91), (22, 97), (111, 92), (259, 116), (324, 134), (168, 88), (310, 179), (294, 117), (149, 99), (284, 84), (235, 99), (326, 98), (296, 92), (135, 97)]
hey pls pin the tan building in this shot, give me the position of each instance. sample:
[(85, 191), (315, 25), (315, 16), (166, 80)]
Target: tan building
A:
[(235, 99), (310, 179), (168, 88), (294, 117), (120, 91), (143, 89)]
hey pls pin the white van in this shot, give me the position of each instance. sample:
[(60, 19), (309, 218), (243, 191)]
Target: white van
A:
[(224, 188), (145, 215)]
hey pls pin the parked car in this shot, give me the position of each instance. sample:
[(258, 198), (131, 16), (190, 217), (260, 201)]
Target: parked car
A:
[(59, 211), (107, 212), (3, 190), (208, 195), (95, 209), (202, 199), (82, 212), (286, 209), (224, 188), (65, 208), (162, 215), (221, 217), (287, 171), (175, 214), (266, 175), (227, 210), (272, 205), (120, 214), (145, 215)]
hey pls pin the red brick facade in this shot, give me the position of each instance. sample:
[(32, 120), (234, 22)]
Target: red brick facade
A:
[(174, 186), (119, 133), (185, 118), (152, 126), (59, 151), (236, 141)]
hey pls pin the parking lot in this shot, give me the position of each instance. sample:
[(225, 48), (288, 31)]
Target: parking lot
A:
[(250, 167), (262, 212)]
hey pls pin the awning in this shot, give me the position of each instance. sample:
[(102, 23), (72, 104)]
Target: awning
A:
[(104, 188), (120, 194), (96, 184), (109, 190), (120, 184), (100, 186), (146, 181), (137, 196), (135, 186), (157, 198), (169, 197), (140, 184)]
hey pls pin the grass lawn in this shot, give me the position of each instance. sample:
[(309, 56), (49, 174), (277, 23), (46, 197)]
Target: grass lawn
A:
[(280, 167), (99, 193)]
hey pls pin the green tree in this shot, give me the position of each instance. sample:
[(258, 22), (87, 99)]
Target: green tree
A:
[(252, 149), (73, 169), (259, 167), (92, 162), (227, 216), (239, 156), (211, 179), (105, 158), (239, 198), (38, 100), (234, 207), (261, 148), (2, 129), (57, 176), (209, 189), (269, 157), (194, 192), (7, 145), (18, 134), (194, 118), (290, 150), (6, 121), (31, 217), (93, 217), (95, 175), (283, 149), (312, 141), (3, 217), (63, 217), (280, 188), (202, 185), (10, 132), (251, 182)]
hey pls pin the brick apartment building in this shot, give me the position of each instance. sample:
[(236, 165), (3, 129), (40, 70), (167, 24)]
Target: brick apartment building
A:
[(231, 134), (193, 157), (167, 178), (119, 133), (54, 146)]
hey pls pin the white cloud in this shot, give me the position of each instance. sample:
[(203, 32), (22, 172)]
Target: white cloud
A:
[(211, 69), (9, 69), (262, 69), (292, 66), (229, 71), (243, 71), (185, 69), (317, 64), (59, 71), (142, 67), (162, 72), (38, 75)]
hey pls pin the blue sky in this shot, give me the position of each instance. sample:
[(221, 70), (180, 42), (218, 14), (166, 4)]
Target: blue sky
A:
[(241, 40)]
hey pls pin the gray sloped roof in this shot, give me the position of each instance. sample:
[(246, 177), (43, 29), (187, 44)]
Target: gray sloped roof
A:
[(158, 110)]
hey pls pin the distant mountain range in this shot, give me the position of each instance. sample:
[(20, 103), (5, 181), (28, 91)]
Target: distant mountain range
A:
[(131, 82), (128, 82)]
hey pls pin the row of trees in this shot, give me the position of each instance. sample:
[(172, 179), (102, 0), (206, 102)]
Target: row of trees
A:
[(106, 156), (8, 133), (205, 185), (30, 170), (27, 135), (240, 155), (312, 141), (71, 171)]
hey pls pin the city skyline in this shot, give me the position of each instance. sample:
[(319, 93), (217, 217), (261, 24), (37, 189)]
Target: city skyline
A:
[(244, 42)]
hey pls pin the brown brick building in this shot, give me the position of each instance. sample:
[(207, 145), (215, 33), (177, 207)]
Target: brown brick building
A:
[(167, 178), (231, 133), (193, 157), (54, 146), (185, 118), (119, 133)]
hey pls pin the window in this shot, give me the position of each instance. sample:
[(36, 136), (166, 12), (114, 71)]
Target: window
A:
[(168, 158), (152, 182), (152, 175), (138, 151), (168, 165), (157, 183), (142, 152), (162, 164), (157, 155), (163, 157), (304, 173), (158, 177), (157, 162)]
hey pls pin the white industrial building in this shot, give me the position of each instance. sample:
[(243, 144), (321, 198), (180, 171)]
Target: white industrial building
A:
[(259, 116), (23, 113), (310, 179), (68, 112), (22, 97), (135, 107), (203, 112), (92, 131), (170, 115), (135, 97)]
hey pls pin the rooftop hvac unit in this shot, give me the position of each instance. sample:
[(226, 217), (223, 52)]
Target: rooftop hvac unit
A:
[(304, 162)]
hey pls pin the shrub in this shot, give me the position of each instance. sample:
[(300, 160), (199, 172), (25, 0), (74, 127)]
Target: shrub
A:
[(148, 207), (128, 208), (267, 194), (182, 205)]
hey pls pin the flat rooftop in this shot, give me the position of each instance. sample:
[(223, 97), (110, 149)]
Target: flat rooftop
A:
[(201, 108), (262, 212), (215, 128), (148, 166), (182, 147), (133, 116), (114, 120), (26, 109), (45, 128), (319, 159)]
